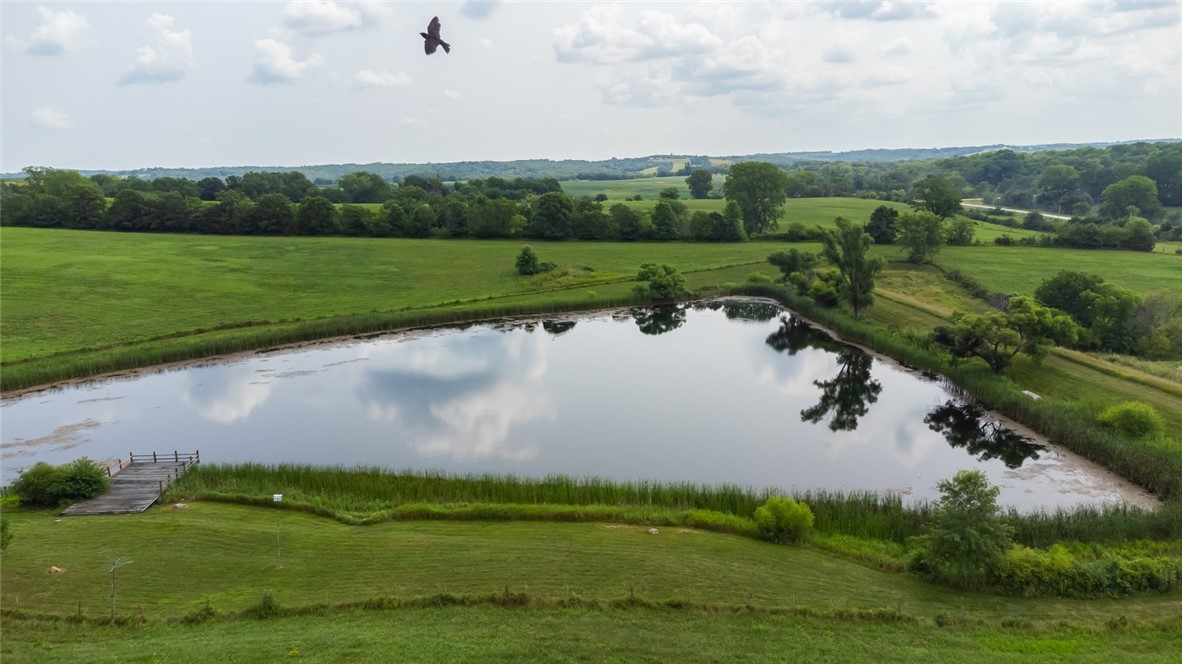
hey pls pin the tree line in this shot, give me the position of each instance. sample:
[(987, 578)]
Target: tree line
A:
[(495, 207)]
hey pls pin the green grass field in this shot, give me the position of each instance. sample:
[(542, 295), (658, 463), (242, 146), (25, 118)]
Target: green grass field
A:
[(229, 556), (618, 190), (64, 292)]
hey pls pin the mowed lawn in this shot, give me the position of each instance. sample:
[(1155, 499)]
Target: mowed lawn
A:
[(228, 557), (231, 555)]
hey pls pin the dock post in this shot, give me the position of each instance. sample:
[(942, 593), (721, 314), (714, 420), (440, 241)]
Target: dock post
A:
[(153, 456), (175, 457), (160, 484)]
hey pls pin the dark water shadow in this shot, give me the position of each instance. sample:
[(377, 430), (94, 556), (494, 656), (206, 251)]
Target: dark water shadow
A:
[(659, 320), (847, 395), (962, 425)]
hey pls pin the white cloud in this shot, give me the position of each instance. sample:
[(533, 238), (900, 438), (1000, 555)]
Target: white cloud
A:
[(881, 11), (59, 32), (478, 9), (643, 86), (274, 63), (367, 78), (880, 75), (167, 57), (897, 47), (746, 64), (49, 118), (839, 55), (323, 17), (452, 94), (485, 42), (602, 35)]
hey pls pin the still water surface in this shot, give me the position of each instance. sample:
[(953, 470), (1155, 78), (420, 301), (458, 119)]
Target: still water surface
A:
[(722, 392)]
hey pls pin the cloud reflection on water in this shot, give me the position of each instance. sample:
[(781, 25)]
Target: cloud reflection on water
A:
[(463, 399)]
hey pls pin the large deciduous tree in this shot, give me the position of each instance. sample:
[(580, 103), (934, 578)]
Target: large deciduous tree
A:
[(921, 234), (998, 337), (553, 214), (699, 182), (968, 537), (935, 195), (1135, 191), (846, 248), (316, 216), (882, 224), (364, 187), (664, 281), (758, 189)]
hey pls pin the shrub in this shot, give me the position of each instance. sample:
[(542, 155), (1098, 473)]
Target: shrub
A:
[(758, 278), (782, 520), (41, 486), (5, 534), (1003, 240), (527, 261), (44, 485), (1135, 419), (825, 293), (83, 480), (968, 538)]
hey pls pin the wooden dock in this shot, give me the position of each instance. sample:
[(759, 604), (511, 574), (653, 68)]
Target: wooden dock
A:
[(136, 483)]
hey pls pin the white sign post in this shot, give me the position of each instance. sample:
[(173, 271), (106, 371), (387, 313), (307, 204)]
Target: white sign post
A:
[(278, 498)]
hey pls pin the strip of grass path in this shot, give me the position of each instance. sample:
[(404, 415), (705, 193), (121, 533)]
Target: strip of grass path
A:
[(489, 634)]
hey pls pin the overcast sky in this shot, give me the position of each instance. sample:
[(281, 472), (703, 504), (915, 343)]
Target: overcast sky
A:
[(93, 85)]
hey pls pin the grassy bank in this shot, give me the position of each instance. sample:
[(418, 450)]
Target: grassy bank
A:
[(375, 495), (230, 555), (628, 633)]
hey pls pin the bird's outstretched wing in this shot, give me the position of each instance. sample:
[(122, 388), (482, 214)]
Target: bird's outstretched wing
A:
[(429, 46), (433, 27)]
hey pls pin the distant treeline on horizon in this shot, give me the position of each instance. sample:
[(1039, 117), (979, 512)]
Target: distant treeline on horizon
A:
[(578, 169), (1102, 188)]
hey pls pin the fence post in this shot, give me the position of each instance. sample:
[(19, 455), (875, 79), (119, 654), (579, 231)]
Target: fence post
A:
[(175, 458), (160, 483), (153, 456)]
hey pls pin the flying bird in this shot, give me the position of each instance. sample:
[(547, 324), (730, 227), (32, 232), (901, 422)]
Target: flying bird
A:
[(431, 38)]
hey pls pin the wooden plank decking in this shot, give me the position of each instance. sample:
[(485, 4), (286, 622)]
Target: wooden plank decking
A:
[(134, 487)]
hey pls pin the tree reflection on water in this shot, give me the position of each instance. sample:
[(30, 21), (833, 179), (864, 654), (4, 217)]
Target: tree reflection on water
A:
[(659, 320), (847, 395), (963, 426)]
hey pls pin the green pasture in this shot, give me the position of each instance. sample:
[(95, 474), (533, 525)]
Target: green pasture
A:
[(1022, 269), (577, 634), (229, 555), (618, 190), (70, 295)]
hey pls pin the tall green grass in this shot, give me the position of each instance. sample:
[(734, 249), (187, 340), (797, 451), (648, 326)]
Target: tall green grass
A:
[(370, 495)]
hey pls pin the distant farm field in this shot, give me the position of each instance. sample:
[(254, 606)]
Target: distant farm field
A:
[(67, 294)]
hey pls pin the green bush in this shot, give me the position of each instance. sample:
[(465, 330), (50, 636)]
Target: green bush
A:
[(83, 480), (825, 293), (1135, 419), (41, 486), (782, 519), (527, 262), (1056, 572), (758, 278), (5, 533), (44, 485)]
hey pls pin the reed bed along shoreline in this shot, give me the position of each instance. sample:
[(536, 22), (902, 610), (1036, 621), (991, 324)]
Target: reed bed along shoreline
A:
[(371, 495)]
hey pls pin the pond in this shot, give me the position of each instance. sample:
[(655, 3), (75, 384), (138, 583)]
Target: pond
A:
[(728, 391)]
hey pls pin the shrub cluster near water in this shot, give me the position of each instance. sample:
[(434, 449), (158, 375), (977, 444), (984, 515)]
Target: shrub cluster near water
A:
[(44, 485)]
